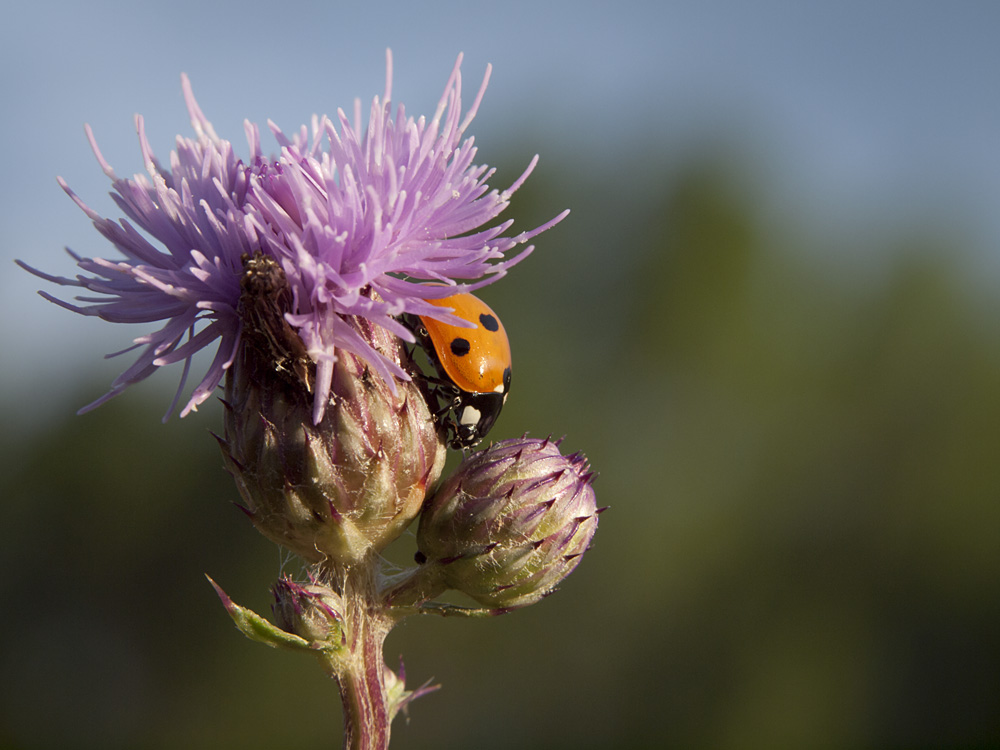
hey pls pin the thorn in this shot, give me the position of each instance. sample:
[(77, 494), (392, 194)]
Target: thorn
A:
[(228, 603), (249, 513), (223, 443)]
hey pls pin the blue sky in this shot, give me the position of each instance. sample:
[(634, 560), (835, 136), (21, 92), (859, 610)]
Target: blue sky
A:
[(861, 111)]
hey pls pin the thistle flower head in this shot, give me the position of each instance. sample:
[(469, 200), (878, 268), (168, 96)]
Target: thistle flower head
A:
[(358, 219), (510, 523)]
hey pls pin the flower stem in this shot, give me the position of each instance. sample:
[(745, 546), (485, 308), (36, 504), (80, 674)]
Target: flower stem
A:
[(360, 669), (362, 693)]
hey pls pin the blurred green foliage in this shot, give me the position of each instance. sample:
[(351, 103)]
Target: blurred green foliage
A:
[(802, 550)]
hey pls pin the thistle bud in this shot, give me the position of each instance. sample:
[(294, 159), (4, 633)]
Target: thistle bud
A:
[(310, 611), (348, 485), (510, 523)]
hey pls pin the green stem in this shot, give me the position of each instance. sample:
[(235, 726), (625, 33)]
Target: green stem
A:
[(406, 592), (360, 669), (445, 610)]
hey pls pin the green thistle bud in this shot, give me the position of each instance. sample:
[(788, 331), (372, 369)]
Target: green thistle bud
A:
[(344, 487), (311, 611), (510, 523)]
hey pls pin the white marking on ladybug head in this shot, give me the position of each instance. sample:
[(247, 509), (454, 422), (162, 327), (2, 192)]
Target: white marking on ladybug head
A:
[(499, 388), (469, 416)]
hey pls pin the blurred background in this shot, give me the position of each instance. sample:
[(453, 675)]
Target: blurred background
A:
[(770, 322)]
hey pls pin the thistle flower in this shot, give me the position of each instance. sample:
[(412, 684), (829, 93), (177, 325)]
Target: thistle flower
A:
[(510, 523), (298, 268), (358, 220)]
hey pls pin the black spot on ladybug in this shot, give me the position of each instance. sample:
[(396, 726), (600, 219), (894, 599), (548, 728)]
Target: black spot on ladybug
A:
[(460, 347), (489, 322)]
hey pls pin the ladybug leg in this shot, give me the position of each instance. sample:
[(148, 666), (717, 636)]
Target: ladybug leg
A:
[(436, 389), (443, 411), (439, 383), (447, 394), (444, 398)]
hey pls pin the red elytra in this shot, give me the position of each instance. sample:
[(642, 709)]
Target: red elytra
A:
[(476, 361)]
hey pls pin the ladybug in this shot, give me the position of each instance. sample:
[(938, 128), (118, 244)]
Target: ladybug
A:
[(473, 365)]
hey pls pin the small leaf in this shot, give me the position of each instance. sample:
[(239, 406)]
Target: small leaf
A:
[(256, 628)]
